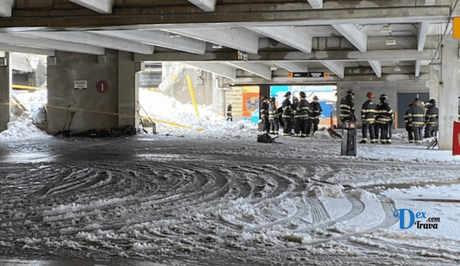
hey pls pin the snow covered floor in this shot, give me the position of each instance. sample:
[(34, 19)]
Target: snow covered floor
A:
[(178, 199)]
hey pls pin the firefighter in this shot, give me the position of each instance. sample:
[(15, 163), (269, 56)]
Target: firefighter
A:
[(301, 116), (431, 119), (295, 103), (416, 117), (264, 114), (410, 133), (368, 119), (229, 112), (383, 119), (347, 107), (287, 114), (273, 117), (314, 113)]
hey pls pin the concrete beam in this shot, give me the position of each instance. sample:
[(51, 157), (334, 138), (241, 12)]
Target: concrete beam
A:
[(418, 64), (239, 39), (32, 42), (216, 68), (422, 34), (293, 67), (94, 39), (296, 37), (27, 50), (237, 16), (256, 69), (316, 4), (337, 67), (159, 38), (354, 35), (6, 7), (377, 67), (206, 5), (100, 6), (293, 56)]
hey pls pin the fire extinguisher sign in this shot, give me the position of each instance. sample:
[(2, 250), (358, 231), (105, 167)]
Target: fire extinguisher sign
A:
[(456, 140), (102, 86)]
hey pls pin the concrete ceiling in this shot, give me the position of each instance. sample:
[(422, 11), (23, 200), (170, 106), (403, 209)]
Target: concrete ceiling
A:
[(348, 39)]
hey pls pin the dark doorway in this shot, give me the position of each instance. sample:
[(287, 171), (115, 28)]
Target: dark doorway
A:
[(404, 99)]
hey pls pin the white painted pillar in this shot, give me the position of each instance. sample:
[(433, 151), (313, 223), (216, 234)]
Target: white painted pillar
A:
[(433, 83), (128, 89), (5, 91), (448, 92)]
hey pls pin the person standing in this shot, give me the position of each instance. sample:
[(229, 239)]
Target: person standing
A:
[(431, 119), (314, 113), (384, 117), (273, 117), (410, 133), (416, 119), (368, 119), (347, 106), (301, 116), (229, 112), (295, 103), (264, 114), (287, 114)]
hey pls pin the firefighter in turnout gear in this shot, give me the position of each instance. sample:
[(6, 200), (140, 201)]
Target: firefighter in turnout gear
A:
[(301, 116), (273, 117), (410, 134), (264, 114), (383, 119), (431, 119), (347, 107), (416, 117), (368, 119), (287, 114), (314, 113)]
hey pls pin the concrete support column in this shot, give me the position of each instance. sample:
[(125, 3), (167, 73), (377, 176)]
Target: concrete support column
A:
[(433, 83), (128, 89), (448, 92), (5, 91)]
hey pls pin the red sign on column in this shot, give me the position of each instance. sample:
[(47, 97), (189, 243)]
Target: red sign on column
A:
[(102, 86), (456, 142)]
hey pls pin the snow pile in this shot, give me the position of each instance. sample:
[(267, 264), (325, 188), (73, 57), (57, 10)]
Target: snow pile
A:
[(208, 125), (23, 128)]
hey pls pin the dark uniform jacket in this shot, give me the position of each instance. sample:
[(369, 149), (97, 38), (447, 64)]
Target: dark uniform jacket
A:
[(416, 114), (264, 110), (315, 110), (302, 109), (272, 111), (287, 108), (431, 116), (347, 107), (368, 112), (383, 113), (406, 118)]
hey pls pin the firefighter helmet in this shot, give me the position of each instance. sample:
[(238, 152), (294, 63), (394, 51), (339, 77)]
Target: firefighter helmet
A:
[(302, 94), (433, 101), (287, 94), (272, 99), (383, 97), (351, 91), (315, 97), (370, 95)]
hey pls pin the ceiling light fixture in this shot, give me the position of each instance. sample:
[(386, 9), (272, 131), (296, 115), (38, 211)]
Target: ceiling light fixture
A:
[(273, 68), (386, 28), (173, 35), (397, 68), (391, 41), (216, 46)]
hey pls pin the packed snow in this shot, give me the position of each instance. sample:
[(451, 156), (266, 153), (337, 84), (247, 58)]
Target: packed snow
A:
[(209, 194)]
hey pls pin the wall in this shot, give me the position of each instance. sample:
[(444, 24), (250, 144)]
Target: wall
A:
[(390, 89), (92, 108)]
